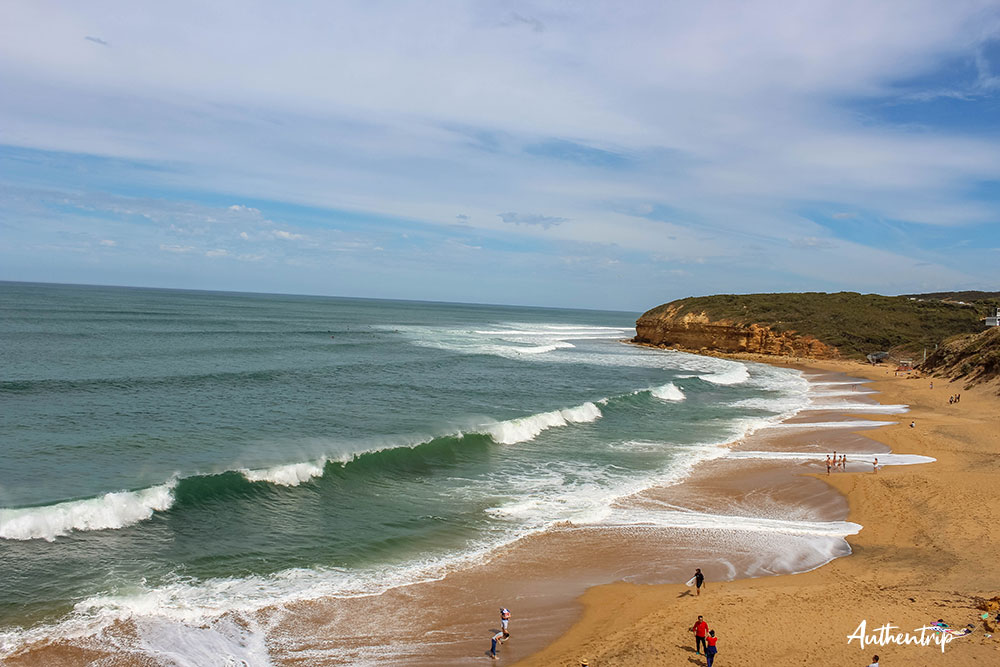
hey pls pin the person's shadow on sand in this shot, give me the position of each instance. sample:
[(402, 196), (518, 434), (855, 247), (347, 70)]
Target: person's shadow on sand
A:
[(685, 594), (684, 647)]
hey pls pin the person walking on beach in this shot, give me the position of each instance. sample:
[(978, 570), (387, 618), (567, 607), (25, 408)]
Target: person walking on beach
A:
[(828, 464), (699, 580), (710, 649), (843, 462), (875, 465), (700, 630), (498, 639), (504, 621)]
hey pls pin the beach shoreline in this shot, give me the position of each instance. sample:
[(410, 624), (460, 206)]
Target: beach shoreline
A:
[(922, 554), (556, 582)]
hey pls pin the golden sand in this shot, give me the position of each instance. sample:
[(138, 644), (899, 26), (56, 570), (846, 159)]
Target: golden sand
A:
[(929, 548)]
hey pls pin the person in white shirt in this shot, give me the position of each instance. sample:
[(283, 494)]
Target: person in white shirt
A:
[(874, 661)]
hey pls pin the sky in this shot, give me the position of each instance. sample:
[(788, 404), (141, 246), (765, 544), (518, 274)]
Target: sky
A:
[(599, 155)]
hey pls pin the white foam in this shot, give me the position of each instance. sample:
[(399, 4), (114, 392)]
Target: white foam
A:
[(222, 642), (523, 429), (292, 474), (112, 510), (540, 349), (672, 518), (830, 394), (668, 392), (732, 373), (884, 458), (859, 407), (786, 405), (855, 424)]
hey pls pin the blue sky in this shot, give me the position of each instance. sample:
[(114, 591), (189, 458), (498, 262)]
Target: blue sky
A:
[(600, 155)]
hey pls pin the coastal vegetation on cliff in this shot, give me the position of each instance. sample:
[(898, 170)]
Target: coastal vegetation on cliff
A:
[(813, 324), (970, 359)]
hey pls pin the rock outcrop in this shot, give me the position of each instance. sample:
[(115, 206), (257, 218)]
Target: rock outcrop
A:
[(696, 332)]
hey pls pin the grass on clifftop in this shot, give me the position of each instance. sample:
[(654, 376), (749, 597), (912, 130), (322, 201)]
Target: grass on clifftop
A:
[(854, 323)]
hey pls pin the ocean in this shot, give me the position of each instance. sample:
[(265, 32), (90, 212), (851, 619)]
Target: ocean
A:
[(185, 456)]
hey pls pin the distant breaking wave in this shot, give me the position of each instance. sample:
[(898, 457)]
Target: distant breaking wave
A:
[(668, 392), (737, 374)]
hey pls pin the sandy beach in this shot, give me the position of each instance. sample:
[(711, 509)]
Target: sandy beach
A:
[(928, 551)]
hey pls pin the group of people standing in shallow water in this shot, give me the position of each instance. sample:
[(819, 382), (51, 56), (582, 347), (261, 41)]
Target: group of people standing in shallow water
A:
[(840, 462), (834, 462)]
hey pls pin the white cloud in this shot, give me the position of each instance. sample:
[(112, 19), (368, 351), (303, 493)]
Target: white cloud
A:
[(108, 242), (218, 252), (176, 248), (723, 119), (286, 235)]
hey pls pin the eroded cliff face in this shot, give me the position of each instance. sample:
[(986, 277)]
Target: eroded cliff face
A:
[(697, 333)]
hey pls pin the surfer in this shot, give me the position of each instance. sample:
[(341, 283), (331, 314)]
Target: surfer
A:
[(699, 581), (700, 630)]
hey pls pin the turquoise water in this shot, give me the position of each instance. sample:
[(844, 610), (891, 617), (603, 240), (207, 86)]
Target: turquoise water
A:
[(199, 452)]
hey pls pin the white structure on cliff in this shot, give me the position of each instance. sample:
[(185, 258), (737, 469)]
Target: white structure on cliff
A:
[(994, 321)]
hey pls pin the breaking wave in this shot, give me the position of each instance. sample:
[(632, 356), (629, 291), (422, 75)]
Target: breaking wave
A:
[(668, 392), (513, 431), (110, 511)]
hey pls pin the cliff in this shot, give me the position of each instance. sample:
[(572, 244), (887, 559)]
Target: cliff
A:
[(969, 359), (809, 325), (697, 333)]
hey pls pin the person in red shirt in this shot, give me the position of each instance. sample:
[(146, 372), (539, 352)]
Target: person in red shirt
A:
[(700, 630), (710, 650)]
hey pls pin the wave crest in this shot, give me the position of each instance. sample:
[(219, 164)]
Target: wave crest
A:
[(112, 510), (668, 392), (292, 474), (523, 429)]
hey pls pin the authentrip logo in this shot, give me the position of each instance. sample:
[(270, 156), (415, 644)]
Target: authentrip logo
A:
[(886, 634)]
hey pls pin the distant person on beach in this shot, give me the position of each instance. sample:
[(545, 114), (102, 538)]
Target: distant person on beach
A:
[(913, 424), (700, 630), (875, 465), (710, 650), (828, 464), (699, 580), (498, 639), (874, 661), (843, 462), (504, 621)]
